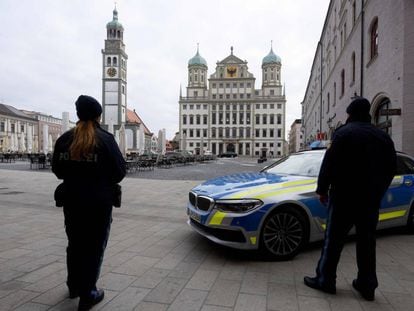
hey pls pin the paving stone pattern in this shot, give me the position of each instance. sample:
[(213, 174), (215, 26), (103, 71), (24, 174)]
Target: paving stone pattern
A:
[(155, 262)]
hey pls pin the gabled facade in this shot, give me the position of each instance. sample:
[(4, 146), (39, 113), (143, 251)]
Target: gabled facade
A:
[(227, 113)]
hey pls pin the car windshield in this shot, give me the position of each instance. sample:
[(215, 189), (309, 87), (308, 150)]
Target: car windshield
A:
[(303, 164)]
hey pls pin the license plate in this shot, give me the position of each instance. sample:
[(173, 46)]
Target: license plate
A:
[(194, 216)]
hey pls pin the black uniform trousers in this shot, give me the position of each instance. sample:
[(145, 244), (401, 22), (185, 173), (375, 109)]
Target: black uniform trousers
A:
[(341, 218), (87, 229)]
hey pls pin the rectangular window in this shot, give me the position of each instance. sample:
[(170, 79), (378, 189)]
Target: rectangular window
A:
[(257, 133), (220, 118), (248, 95), (198, 119), (227, 96), (271, 133), (257, 106), (12, 128), (184, 107), (205, 107), (198, 133), (220, 96), (247, 132), (214, 96), (234, 119), (279, 106), (191, 133), (241, 132), (272, 119), (213, 85), (234, 96), (248, 118), (204, 132), (228, 85), (258, 119), (205, 119), (264, 133), (241, 115), (2, 127), (242, 84), (213, 118), (191, 119), (184, 119), (221, 85), (234, 132), (191, 144), (191, 107), (279, 119), (279, 133), (196, 95), (241, 95), (198, 106), (22, 128), (227, 117), (249, 84), (234, 107), (264, 118)]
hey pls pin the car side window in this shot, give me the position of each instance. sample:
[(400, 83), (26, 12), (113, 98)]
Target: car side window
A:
[(404, 165)]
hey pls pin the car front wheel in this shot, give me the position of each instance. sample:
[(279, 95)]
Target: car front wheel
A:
[(284, 233)]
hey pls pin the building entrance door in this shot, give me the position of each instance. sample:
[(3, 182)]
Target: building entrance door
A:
[(231, 148)]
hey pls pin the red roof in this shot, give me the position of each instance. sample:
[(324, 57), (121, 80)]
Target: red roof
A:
[(132, 117)]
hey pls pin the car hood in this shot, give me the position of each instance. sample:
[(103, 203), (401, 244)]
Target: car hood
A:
[(251, 185)]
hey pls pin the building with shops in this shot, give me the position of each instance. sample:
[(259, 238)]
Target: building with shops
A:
[(366, 49), (225, 112), (295, 136), (29, 131), (129, 130)]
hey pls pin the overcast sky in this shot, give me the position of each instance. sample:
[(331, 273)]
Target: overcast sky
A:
[(51, 49)]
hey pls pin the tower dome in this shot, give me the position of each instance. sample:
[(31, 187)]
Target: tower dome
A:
[(114, 23), (271, 58), (197, 60)]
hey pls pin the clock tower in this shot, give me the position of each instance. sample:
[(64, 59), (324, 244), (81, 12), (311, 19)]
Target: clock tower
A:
[(114, 76)]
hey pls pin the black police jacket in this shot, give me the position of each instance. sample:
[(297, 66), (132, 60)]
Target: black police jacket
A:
[(359, 165), (91, 180)]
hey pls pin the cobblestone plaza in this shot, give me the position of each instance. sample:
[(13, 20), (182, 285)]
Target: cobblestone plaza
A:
[(154, 261)]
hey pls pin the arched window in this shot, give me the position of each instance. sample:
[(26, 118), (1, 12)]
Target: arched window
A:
[(374, 38), (108, 61), (114, 61), (118, 34), (383, 122)]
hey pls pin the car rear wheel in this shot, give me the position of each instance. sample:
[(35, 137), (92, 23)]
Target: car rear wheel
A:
[(284, 233)]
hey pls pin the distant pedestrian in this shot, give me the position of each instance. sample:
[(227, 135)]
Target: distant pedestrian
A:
[(355, 174), (88, 160)]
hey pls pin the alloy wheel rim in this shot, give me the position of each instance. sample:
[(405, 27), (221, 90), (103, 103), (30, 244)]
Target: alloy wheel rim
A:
[(283, 234)]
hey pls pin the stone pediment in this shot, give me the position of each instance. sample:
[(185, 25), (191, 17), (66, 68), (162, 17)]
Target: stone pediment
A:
[(231, 59)]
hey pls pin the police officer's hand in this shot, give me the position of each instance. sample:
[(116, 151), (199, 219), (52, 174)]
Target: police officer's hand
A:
[(323, 198)]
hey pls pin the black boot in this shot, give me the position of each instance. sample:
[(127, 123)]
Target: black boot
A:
[(367, 294), (95, 297), (315, 284)]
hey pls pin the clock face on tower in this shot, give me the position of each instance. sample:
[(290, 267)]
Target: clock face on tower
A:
[(111, 72)]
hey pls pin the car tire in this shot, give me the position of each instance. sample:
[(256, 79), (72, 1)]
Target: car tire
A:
[(410, 220), (284, 233)]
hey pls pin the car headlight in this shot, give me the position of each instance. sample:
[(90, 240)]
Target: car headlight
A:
[(237, 206)]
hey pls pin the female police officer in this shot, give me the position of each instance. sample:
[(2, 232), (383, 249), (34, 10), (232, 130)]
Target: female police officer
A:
[(88, 160)]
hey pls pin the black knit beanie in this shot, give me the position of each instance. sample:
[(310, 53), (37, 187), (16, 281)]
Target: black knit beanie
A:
[(87, 108)]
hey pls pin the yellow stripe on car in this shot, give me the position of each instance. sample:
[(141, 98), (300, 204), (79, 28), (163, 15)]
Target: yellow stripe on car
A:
[(391, 215), (286, 191), (383, 216), (253, 240), (217, 218), (264, 188)]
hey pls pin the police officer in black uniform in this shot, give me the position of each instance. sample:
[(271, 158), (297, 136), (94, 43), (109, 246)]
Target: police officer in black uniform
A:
[(90, 163), (356, 172)]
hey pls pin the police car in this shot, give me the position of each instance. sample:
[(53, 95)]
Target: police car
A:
[(277, 210)]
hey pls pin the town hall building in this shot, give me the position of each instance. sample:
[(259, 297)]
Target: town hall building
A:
[(225, 112)]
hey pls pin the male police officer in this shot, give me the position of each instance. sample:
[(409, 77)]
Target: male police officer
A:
[(356, 172)]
